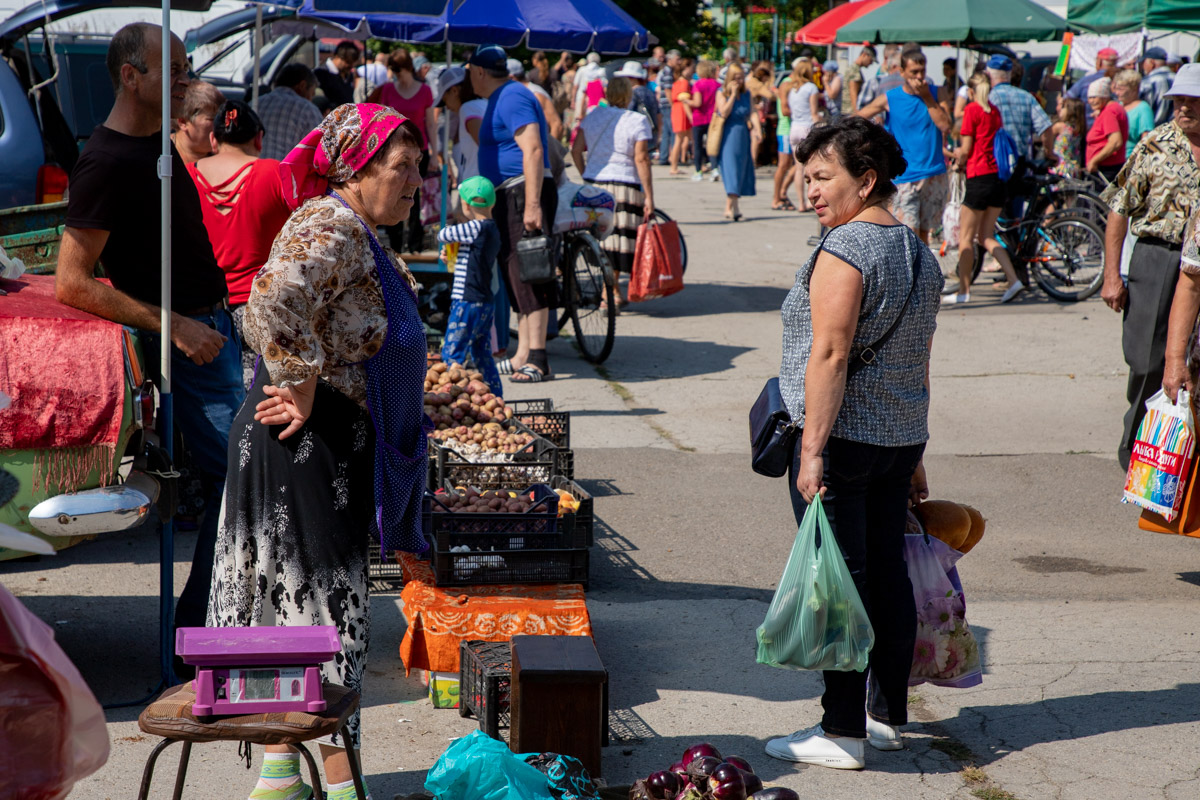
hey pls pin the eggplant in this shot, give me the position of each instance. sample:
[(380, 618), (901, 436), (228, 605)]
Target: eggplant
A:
[(726, 783), (775, 793), (740, 763), (639, 791), (699, 770), (697, 750), (689, 792), (680, 771), (752, 781), (663, 785)]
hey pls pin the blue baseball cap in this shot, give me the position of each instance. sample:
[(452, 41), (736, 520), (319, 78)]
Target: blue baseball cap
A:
[(491, 57), (1000, 62)]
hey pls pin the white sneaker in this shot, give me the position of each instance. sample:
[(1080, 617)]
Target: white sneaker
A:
[(1012, 291), (951, 299), (715, 175), (697, 176), (882, 736), (812, 746)]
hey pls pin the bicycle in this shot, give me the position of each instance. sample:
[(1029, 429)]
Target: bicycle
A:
[(1063, 252), (586, 284)]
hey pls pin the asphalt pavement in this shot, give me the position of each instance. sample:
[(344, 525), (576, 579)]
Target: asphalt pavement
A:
[(1088, 627)]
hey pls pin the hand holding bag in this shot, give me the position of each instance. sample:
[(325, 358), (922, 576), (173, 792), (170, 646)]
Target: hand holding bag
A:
[(816, 619), (657, 262)]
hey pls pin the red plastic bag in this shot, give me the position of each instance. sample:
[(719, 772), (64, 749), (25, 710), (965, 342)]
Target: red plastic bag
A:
[(657, 265), (52, 730)]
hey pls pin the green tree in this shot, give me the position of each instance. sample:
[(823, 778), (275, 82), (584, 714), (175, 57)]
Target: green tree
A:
[(684, 24)]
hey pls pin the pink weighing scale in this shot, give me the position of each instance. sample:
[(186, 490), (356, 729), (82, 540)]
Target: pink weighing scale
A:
[(257, 670)]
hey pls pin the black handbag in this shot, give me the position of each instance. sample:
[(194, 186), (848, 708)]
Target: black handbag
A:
[(535, 259), (772, 431)]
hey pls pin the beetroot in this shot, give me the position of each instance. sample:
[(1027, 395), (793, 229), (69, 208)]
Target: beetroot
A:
[(697, 750), (663, 785)]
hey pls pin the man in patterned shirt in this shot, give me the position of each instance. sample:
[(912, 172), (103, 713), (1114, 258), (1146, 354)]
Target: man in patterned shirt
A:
[(287, 112), (1154, 195)]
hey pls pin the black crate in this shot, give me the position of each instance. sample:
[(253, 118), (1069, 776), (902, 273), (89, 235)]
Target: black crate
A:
[(511, 566), (537, 529), (581, 525), (383, 574), (566, 463), (541, 418), (485, 677), (537, 463)]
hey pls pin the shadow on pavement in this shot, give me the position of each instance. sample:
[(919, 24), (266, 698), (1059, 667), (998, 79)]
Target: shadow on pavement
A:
[(654, 358), (708, 299)]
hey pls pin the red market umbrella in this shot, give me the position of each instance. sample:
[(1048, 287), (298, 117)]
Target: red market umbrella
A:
[(823, 30)]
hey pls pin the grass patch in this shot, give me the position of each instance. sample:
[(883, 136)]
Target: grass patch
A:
[(973, 775), (993, 793), (953, 748), (915, 699)]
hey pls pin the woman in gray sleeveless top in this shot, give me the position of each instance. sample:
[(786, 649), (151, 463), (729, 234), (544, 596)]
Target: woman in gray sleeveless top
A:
[(862, 436)]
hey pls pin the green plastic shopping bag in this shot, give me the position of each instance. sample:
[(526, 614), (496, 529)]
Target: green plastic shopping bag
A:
[(816, 619)]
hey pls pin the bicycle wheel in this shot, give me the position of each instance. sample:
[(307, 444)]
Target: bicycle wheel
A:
[(1085, 203), (590, 298), (662, 216), (1069, 261)]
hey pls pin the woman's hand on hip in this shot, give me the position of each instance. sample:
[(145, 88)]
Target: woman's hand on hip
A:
[(919, 490), (287, 405), (810, 478)]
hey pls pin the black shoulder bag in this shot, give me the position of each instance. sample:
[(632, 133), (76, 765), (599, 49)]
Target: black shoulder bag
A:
[(772, 431)]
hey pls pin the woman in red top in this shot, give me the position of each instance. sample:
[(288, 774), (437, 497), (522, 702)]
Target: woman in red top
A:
[(413, 99), (985, 194), (242, 201), (1106, 138)]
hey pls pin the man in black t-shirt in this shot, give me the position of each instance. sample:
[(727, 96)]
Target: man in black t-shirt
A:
[(113, 216)]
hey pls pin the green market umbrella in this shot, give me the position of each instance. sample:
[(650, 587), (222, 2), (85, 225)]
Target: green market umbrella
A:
[(1122, 16), (960, 21)]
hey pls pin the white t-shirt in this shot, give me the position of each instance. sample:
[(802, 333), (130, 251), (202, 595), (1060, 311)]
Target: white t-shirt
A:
[(466, 149), (798, 105), (537, 90), (611, 134)]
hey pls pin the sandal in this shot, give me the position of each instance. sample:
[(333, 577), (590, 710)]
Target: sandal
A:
[(504, 367), (530, 374)]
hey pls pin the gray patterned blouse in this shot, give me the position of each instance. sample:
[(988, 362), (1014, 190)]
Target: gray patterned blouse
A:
[(886, 403)]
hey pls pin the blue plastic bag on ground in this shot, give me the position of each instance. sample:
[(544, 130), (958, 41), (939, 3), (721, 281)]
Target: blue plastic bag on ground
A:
[(478, 767), (816, 619)]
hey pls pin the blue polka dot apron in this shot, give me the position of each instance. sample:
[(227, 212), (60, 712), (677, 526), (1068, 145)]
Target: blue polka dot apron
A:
[(395, 380)]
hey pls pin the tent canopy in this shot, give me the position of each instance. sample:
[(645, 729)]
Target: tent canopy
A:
[(573, 25), (958, 21), (823, 30), (1123, 16)]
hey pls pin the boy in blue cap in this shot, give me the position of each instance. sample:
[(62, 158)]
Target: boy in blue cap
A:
[(469, 331)]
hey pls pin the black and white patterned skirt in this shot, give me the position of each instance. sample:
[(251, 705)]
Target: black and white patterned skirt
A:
[(621, 243), (296, 520)]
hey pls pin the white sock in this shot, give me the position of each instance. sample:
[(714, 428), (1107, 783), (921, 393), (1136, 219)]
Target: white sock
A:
[(344, 791), (280, 779)]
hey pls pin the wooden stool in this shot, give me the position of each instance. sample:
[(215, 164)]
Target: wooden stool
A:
[(170, 716), (559, 698)]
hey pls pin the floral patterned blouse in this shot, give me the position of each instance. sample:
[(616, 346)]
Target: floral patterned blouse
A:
[(1066, 150), (316, 307)]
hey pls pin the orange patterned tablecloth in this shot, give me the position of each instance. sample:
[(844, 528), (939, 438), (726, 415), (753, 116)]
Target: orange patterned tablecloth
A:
[(439, 618)]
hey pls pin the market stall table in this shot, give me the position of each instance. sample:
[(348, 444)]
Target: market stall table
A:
[(438, 619)]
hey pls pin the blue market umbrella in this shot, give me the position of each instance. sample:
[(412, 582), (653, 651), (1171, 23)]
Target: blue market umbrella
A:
[(573, 25)]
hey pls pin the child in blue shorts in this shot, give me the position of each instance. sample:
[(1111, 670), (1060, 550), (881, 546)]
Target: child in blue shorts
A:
[(469, 331)]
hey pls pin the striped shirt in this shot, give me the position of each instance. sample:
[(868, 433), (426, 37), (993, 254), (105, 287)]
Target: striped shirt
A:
[(475, 265)]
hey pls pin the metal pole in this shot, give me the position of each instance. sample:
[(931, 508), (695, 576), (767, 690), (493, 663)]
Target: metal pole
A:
[(258, 43), (166, 564), (446, 151)]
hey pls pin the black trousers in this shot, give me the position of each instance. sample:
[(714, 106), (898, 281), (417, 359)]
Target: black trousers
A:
[(866, 501), (1153, 273), (699, 153)]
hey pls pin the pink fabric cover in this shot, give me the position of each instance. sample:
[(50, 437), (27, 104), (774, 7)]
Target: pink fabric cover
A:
[(65, 372)]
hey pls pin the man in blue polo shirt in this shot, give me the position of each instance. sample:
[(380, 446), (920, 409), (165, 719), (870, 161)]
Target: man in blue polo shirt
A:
[(513, 156), (918, 122)]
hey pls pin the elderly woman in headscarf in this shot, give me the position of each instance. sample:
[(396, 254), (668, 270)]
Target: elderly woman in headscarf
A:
[(329, 446)]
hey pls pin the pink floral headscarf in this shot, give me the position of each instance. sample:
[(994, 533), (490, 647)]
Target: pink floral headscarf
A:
[(336, 149)]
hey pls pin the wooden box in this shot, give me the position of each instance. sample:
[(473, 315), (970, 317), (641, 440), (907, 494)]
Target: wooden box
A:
[(559, 698)]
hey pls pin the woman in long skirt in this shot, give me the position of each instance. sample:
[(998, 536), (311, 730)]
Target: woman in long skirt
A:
[(330, 445)]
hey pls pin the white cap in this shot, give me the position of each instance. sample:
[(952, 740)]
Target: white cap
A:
[(631, 69), (593, 58), (448, 77), (515, 68), (1187, 82), (1101, 87)]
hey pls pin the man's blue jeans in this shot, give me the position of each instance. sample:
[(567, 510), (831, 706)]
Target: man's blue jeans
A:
[(667, 138), (206, 399)]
